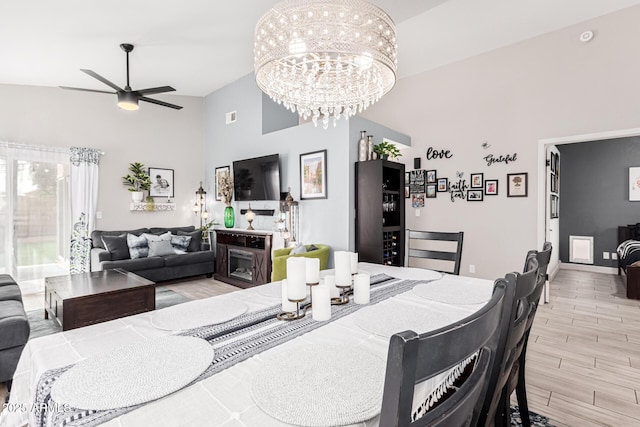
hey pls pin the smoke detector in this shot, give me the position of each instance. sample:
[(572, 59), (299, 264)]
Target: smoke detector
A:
[(586, 36)]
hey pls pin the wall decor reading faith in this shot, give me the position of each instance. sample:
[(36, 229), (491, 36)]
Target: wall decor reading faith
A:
[(506, 159), (417, 181), (432, 154), (458, 190)]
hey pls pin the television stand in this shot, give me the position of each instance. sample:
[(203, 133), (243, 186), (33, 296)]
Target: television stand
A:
[(243, 257)]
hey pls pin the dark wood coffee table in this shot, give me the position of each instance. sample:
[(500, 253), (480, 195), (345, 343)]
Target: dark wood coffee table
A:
[(83, 299)]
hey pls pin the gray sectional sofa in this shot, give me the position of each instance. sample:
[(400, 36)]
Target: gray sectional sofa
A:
[(195, 261), (14, 327)]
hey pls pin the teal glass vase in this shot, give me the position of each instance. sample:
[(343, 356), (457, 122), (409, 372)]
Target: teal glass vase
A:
[(229, 217)]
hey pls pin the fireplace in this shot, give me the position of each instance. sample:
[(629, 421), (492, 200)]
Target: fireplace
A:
[(241, 265)]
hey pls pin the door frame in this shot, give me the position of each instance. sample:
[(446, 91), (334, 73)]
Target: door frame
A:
[(542, 173)]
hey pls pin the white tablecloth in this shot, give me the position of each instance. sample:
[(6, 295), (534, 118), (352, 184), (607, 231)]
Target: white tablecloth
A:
[(222, 399)]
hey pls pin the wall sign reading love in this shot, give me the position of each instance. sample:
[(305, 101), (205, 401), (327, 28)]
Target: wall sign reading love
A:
[(432, 154)]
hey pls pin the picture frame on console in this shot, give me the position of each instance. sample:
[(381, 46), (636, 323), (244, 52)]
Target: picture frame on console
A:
[(219, 171), (313, 175), (161, 182)]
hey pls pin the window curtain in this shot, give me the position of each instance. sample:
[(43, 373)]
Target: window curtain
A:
[(84, 201)]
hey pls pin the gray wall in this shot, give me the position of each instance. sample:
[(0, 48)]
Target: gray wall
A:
[(594, 193), (328, 221)]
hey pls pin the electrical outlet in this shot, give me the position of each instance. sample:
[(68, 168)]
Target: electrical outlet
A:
[(614, 255), (472, 268), (417, 212), (231, 117), (605, 255)]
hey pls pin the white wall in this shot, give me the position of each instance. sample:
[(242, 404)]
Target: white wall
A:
[(549, 86), (156, 136)]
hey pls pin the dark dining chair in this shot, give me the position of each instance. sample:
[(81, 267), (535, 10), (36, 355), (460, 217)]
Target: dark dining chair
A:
[(420, 244), (496, 406), (413, 358), (516, 379)]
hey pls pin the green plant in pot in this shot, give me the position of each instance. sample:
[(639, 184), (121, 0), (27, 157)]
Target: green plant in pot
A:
[(138, 180), (386, 150)]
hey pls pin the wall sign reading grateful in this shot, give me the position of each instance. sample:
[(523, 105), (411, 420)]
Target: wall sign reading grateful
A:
[(432, 154), (506, 159)]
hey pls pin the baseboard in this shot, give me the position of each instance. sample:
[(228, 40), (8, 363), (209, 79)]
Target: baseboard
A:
[(589, 268)]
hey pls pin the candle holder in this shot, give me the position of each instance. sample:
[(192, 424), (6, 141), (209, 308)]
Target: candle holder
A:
[(345, 291), (311, 285), (301, 311)]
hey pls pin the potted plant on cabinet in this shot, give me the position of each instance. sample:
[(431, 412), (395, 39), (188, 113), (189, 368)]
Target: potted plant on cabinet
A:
[(138, 180), (386, 150)]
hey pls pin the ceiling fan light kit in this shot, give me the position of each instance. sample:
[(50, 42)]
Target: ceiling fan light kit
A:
[(325, 59), (128, 99)]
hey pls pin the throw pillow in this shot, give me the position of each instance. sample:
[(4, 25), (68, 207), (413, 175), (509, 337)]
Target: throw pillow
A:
[(180, 244), (299, 249), (312, 248), (160, 248), (138, 246), (117, 246), (156, 237), (196, 239)]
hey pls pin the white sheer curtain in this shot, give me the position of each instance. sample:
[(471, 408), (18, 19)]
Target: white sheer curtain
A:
[(84, 200)]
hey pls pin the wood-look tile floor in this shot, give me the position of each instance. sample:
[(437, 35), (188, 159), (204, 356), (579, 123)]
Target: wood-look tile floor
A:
[(583, 359)]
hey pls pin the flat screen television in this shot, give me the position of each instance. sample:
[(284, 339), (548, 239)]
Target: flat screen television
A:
[(257, 178)]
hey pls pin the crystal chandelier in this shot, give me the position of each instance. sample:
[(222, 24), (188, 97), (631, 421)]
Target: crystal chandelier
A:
[(325, 59)]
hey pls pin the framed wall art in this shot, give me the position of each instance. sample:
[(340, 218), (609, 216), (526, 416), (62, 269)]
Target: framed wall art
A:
[(491, 187), (313, 175), (517, 184), (474, 195), (417, 181), (431, 177), (219, 171), (476, 180), (431, 191), (634, 184), (161, 182), (443, 185)]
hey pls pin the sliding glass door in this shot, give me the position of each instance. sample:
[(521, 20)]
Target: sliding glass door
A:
[(34, 207)]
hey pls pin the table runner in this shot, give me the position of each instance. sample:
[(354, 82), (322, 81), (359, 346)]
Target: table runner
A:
[(233, 341)]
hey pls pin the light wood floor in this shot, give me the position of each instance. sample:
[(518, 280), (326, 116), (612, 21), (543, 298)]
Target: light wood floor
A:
[(583, 365)]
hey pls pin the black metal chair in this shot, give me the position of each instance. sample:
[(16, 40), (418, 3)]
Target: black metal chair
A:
[(516, 379), (496, 406), (416, 250), (413, 358)]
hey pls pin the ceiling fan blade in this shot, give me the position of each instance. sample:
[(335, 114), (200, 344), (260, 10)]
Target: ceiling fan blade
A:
[(86, 90), (102, 79), (153, 90), (164, 104)]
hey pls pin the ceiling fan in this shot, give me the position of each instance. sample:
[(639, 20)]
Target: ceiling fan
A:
[(127, 98)]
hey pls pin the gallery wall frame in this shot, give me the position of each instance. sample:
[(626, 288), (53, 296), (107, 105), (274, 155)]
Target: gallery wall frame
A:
[(313, 175), (218, 173), (161, 182), (517, 184)]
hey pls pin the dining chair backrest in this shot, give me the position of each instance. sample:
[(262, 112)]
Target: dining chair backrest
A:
[(511, 348), (413, 358), (429, 245)]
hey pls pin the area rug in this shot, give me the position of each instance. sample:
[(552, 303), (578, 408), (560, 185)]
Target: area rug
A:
[(41, 326), (536, 419)]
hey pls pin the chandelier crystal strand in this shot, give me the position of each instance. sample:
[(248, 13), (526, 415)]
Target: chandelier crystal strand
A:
[(325, 59)]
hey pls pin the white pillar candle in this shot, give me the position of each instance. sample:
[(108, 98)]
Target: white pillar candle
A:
[(361, 288), (343, 268), (296, 278), (354, 262), (286, 304), (321, 308), (330, 282), (312, 270)]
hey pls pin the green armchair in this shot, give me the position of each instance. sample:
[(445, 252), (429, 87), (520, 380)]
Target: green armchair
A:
[(280, 256)]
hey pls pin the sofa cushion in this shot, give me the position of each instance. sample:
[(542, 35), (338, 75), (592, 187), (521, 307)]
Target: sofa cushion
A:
[(96, 235), (160, 248), (196, 240), (138, 246), (6, 279), (299, 249), (156, 237), (180, 243), (173, 230), (117, 246), (14, 326), (189, 258), (134, 265), (10, 292)]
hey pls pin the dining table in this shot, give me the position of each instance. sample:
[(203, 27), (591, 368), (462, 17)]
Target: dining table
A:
[(264, 371)]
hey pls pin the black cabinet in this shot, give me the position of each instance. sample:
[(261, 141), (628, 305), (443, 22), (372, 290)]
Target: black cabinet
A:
[(380, 206)]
